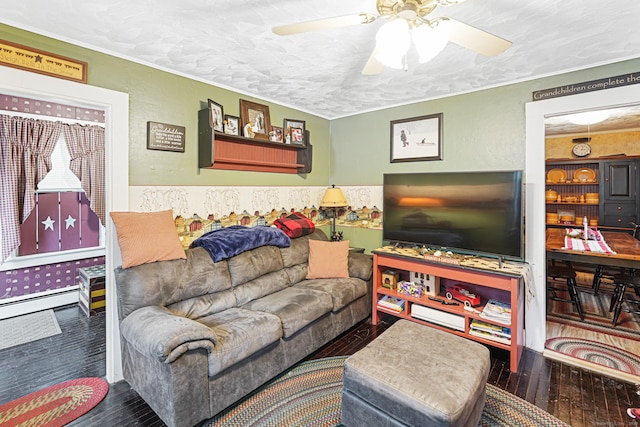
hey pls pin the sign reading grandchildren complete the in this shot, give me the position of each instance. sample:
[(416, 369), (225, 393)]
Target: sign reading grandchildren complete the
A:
[(161, 136), (591, 86)]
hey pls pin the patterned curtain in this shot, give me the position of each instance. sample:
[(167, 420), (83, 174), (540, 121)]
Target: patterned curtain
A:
[(25, 159), (86, 147)]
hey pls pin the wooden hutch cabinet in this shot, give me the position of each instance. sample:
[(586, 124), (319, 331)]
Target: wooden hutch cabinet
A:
[(608, 199)]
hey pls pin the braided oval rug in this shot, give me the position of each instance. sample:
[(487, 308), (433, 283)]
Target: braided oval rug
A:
[(310, 395), (54, 406)]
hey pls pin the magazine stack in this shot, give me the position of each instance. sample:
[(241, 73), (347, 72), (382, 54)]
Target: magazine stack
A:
[(490, 331), (391, 303), (497, 311)]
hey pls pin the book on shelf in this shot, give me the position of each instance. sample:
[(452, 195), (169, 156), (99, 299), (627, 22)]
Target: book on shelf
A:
[(490, 336), (497, 330), (391, 303), (498, 311)]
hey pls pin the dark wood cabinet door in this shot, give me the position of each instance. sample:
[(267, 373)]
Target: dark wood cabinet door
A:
[(620, 180)]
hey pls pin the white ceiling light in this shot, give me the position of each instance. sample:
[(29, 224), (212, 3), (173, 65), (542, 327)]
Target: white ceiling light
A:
[(393, 40), (588, 117), (392, 43), (429, 42)]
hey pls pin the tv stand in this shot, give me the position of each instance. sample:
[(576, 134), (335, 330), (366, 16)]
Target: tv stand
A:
[(496, 282)]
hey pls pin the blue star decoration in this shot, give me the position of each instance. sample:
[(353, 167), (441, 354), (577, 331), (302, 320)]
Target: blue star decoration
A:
[(48, 223), (70, 222)]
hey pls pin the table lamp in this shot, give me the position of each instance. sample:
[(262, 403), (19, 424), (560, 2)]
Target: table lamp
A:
[(332, 200)]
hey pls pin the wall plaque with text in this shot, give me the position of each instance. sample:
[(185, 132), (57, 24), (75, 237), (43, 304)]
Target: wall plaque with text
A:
[(165, 137), (38, 61)]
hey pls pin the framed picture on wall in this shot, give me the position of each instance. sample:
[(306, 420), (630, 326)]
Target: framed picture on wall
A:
[(417, 139)]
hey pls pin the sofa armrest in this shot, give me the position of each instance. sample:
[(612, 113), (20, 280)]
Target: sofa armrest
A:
[(360, 265), (157, 333)]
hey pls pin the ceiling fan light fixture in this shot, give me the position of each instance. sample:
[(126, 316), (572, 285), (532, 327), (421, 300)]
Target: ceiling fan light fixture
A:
[(393, 40), (429, 42), (588, 117)]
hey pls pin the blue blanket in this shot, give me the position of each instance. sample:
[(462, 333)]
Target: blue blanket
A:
[(233, 240)]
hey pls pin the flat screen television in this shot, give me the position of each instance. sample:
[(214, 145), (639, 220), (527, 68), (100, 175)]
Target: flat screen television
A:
[(478, 213)]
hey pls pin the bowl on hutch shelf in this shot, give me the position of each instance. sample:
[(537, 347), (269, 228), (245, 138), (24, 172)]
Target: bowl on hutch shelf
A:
[(552, 218), (550, 196), (592, 198)]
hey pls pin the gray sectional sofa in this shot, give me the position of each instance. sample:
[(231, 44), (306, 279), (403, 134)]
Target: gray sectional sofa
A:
[(197, 335)]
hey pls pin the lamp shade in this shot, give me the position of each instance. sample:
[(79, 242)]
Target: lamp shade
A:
[(333, 198)]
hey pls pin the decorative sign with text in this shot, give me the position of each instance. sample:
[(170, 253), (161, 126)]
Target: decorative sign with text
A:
[(161, 136), (38, 61), (592, 86)]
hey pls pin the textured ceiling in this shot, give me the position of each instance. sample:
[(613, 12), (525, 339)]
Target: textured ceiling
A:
[(230, 44)]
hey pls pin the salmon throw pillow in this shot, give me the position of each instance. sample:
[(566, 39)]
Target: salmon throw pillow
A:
[(146, 237), (328, 260)]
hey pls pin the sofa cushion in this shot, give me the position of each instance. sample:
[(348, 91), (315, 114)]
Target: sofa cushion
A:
[(342, 291), (261, 286), (255, 263), (204, 305), (296, 307), (298, 252), (328, 259), (239, 333), (167, 282), (146, 237)]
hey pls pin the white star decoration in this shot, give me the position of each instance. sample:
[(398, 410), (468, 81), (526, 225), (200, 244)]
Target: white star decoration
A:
[(70, 222), (48, 223)]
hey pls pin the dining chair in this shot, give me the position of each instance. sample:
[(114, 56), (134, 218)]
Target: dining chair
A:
[(602, 272), (567, 273), (623, 283)]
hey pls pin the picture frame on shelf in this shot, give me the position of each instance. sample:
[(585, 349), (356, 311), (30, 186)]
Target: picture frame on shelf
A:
[(258, 116), (216, 116), (417, 138), (231, 124), (288, 125), (276, 134), (297, 136)]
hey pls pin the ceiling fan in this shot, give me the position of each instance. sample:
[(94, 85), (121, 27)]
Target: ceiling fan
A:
[(408, 20)]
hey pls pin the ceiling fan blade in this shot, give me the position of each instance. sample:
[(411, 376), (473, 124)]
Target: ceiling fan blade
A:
[(474, 38), (373, 66), (321, 24)]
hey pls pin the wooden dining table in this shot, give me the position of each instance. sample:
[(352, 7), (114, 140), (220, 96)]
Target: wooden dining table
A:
[(625, 246)]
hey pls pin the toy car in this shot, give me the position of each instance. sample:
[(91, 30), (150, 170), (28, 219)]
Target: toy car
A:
[(463, 295)]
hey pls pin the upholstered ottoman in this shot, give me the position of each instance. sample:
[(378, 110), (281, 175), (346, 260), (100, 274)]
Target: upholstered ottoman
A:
[(415, 375)]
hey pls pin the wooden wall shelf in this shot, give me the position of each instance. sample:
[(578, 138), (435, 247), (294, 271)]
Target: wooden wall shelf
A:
[(230, 152)]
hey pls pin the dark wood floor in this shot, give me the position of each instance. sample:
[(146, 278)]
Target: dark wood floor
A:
[(578, 397)]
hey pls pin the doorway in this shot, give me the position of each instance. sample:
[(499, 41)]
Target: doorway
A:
[(581, 150), (116, 107), (536, 113)]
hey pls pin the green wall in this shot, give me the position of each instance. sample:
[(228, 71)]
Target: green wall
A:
[(482, 130), (160, 96)]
